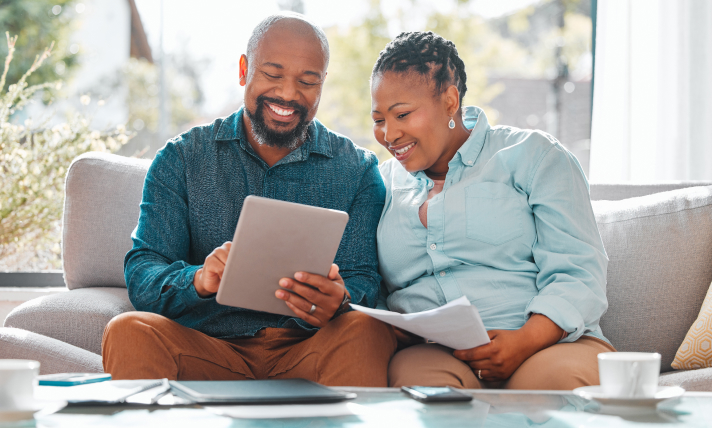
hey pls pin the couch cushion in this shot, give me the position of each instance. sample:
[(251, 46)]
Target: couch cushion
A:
[(77, 317), (101, 209), (691, 380), (660, 252), (616, 192), (54, 356)]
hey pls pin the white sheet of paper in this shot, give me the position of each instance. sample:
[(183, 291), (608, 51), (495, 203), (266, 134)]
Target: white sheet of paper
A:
[(456, 325), (281, 411), (108, 391)]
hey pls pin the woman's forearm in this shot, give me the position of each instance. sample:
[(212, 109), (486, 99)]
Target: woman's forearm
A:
[(539, 332)]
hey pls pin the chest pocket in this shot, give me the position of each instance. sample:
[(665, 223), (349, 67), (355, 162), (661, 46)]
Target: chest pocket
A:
[(493, 213)]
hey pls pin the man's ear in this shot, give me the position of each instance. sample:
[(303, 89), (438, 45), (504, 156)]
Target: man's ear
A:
[(243, 70), (452, 100)]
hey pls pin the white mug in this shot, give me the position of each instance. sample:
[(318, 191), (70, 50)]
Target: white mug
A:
[(17, 384), (629, 374)]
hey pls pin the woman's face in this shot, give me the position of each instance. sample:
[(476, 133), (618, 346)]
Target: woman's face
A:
[(410, 120)]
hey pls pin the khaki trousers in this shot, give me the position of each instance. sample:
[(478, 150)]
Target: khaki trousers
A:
[(353, 349), (564, 366)]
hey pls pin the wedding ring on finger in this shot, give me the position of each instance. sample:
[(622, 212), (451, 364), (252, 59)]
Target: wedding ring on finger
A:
[(479, 374), (312, 310)]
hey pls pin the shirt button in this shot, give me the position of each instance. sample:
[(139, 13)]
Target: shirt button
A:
[(442, 273), (433, 246), (469, 162)]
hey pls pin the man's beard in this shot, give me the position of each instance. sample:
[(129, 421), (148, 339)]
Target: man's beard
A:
[(281, 139)]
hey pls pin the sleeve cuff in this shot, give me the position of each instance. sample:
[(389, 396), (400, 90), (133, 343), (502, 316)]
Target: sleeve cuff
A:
[(561, 312), (188, 295)]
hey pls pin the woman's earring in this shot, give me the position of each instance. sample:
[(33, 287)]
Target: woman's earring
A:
[(451, 124)]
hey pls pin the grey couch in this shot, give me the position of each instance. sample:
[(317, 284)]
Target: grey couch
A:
[(658, 238)]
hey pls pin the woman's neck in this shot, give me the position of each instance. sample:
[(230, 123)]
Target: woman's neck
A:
[(438, 171)]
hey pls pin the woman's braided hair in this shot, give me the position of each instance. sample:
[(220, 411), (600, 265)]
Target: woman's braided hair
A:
[(427, 54)]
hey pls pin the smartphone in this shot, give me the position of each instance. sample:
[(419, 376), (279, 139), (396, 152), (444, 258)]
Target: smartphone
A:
[(429, 394), (71, 379)]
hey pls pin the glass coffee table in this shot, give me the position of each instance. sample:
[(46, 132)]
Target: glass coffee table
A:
[(388, 407)]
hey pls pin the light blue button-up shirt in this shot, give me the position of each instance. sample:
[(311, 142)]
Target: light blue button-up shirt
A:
[(512, 229)]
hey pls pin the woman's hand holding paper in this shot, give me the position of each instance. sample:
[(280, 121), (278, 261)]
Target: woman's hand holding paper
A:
[(508, 349)]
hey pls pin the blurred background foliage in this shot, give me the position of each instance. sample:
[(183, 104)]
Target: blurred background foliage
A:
[(38, 23), (139, 80), (521, 44), (34, 157)]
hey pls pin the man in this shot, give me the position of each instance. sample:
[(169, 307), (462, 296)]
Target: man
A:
[(272, 147)]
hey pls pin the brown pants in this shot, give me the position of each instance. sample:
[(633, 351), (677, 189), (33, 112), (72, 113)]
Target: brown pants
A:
[(353, 349), (564, 366)]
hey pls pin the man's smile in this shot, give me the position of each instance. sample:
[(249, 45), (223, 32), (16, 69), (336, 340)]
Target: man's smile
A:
[(280, 113)]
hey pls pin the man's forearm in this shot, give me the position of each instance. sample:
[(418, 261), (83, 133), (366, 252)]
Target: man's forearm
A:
[(160, 287)]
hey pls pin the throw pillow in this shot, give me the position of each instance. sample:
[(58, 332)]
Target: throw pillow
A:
[(696, 350)]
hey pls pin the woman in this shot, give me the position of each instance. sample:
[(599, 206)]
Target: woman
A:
[(498, 214)]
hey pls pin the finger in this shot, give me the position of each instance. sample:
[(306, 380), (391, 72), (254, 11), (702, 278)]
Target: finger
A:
[(311, 319), (486, 375), (210, 280), (334, 272), (325, 285), (219, 254), (481, 365), (296, 300), (479, 353), (315, 295), (213, 270), (486, 370), (310, 294)]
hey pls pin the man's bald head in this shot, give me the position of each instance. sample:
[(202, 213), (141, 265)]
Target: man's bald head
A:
[(294, 22)]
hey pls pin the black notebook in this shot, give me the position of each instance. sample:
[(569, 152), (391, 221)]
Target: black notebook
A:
[(273, 391)]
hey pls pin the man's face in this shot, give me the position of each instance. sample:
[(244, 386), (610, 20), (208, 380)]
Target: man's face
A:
[(283, 84)]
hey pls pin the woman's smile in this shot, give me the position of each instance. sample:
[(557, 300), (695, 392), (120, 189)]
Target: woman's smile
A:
[(403, 151)]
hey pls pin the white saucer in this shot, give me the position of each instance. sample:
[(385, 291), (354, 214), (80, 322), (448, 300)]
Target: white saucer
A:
[(16, 415), (596, 393)]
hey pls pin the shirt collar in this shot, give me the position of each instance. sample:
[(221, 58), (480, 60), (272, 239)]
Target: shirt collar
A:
[(232, 128), (473, 118)]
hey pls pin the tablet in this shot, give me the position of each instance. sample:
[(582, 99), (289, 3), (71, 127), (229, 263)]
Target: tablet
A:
[(270, 391), (274, 240)]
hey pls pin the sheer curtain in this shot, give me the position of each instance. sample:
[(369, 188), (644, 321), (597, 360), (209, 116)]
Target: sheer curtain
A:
[(652, 101)]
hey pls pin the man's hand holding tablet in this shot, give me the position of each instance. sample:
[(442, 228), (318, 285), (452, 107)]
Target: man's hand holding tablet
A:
[(314, 298), (326, 294)]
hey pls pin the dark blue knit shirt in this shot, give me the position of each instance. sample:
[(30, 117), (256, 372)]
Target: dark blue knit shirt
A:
[(192, 199)]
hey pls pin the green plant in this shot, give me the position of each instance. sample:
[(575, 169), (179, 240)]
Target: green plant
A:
[(38, 23), (34, 158)]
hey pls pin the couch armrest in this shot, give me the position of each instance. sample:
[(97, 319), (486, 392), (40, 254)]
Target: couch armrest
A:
[(54, 356), (77, 317)]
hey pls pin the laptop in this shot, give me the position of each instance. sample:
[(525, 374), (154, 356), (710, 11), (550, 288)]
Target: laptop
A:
[(274, 240)]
